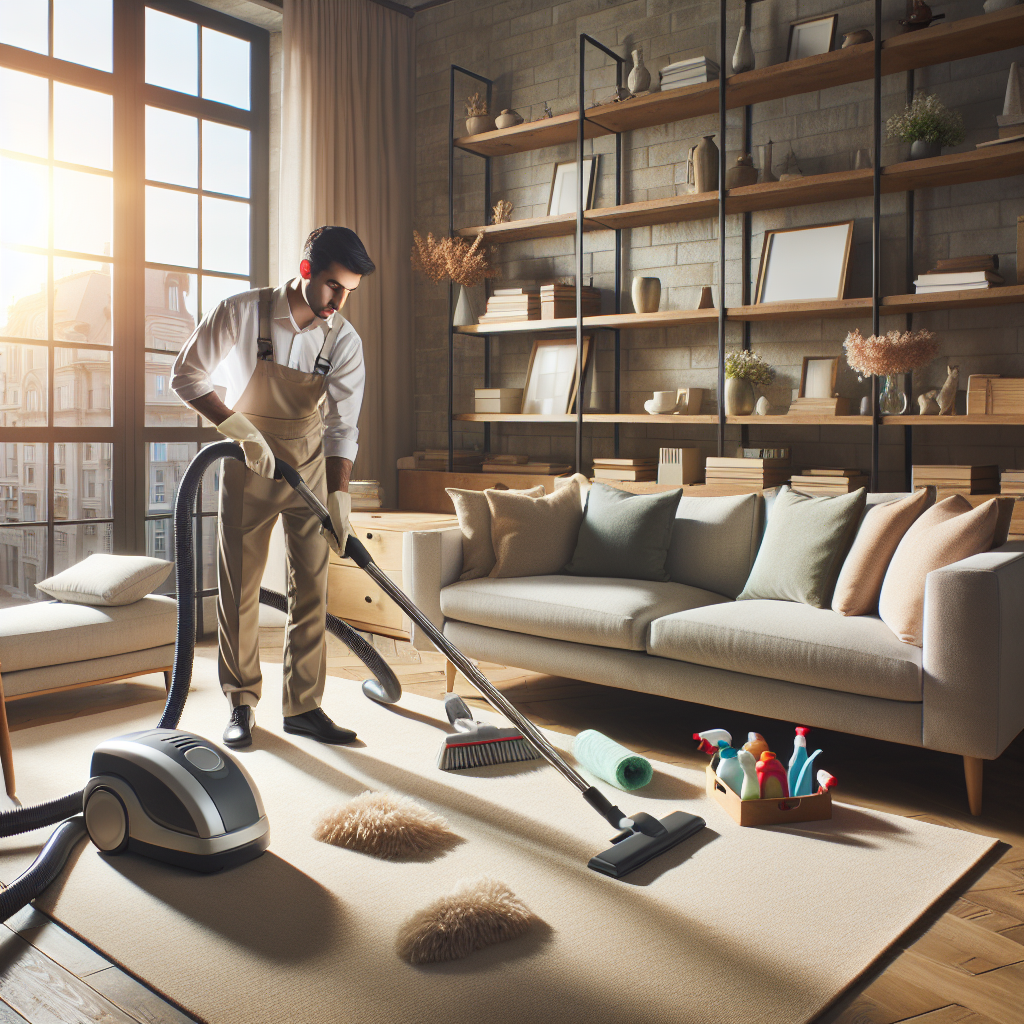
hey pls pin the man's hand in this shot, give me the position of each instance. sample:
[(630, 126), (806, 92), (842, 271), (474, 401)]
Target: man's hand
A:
[(258, 456), (339, 504)]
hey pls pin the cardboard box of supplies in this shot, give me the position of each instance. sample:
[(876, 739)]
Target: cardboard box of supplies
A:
[(816, 807)]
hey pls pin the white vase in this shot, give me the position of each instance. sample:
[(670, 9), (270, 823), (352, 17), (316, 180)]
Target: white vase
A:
[(743, 55), (639, 77), (464, 315)]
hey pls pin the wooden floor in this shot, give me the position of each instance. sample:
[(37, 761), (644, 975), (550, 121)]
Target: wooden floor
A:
[(963, 964)]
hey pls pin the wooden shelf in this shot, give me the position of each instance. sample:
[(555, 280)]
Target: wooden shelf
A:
[(588, 417), (955, 40), (952, 169), (907, 420), (802, 421), (607, 321)]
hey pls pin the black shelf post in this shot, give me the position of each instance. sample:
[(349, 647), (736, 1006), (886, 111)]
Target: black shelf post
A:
[(876, 236), (721, 226), (908, 380)]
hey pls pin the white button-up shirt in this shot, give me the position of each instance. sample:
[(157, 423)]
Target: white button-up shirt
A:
[(222, 352)]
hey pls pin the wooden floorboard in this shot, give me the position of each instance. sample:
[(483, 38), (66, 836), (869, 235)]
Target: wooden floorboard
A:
[(964, 964)]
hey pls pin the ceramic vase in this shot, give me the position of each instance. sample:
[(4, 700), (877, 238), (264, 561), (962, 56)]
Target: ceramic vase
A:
[(766, 162), (743, 55), (507, 119), (646, 294), (639, 77), (921, 149), (702, 165), (742, 173), (465, 316), (891, 399), (739, 397), (479, 124)]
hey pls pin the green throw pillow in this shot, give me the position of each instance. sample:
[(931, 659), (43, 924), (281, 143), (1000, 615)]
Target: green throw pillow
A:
[(625, 535), (803, 548)]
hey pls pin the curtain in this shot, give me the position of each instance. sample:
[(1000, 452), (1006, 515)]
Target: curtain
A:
[(347, 158)]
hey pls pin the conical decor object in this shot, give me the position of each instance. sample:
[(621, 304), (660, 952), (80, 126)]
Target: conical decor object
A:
[(1011, 102), (743, 55), (464, 315)]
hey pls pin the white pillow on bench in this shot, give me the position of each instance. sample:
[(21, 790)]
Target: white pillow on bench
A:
[(108, 580)]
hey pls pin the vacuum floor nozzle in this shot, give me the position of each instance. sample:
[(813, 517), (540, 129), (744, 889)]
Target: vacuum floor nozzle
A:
[(634, 848)]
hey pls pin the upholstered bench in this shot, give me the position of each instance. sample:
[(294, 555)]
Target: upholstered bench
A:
[(52, 646)]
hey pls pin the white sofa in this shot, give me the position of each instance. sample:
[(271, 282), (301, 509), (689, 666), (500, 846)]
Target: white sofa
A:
[(962, 692)]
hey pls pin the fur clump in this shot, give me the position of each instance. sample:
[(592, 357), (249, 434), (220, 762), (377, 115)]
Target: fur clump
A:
[(386, 826), (479, 913)]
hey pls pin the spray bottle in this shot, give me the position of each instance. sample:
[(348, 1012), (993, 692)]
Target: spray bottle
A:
[(771, 776), (729, 771), (751, 788), (796, 762), (710, 740), (756, 744)]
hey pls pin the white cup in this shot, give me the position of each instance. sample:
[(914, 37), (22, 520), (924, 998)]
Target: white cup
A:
[(664, 401)]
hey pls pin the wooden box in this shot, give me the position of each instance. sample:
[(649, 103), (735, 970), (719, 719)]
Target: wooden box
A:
[(680, 466), (769, 812), (498, 400)]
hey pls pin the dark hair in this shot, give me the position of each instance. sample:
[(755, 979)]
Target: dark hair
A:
[(329, 245)]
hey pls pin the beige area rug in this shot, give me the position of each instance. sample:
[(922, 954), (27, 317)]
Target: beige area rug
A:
[(735, 925)]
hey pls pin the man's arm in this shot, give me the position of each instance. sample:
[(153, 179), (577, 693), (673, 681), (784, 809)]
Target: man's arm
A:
[(339, 471), (210, 406)]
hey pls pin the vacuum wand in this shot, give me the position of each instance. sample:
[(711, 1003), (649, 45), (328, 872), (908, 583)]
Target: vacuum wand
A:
[(355, 550)]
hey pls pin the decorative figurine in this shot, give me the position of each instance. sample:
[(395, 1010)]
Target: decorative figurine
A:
[(946, 398)]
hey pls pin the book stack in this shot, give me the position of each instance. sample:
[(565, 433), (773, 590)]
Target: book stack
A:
[(633, 470), (558, 301), (463, 461), (688, 72), (829, 481), (511, 305), (957, 479), (819, 407), (988, 394), (366, 495), (495, 464), (764, 453), (1011, 481), (757, 474), (962, 273)]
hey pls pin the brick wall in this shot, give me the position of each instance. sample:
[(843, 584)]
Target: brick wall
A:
[(529, 47)]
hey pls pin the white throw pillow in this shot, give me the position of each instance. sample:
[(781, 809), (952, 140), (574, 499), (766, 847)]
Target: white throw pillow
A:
[(108, 580)]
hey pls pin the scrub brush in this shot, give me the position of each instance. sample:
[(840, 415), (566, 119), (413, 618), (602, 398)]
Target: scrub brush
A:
[(474, 744)]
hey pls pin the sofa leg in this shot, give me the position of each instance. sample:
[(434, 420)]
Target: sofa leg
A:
[(449, 676), (972, 774)]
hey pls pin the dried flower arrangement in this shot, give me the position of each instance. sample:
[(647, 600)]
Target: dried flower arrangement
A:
[(475, 106), (502, 211), (889, 354), (452, 259), (747, 365), (926, 119)]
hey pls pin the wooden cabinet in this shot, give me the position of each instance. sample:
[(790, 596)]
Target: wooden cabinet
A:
[(352, 595)]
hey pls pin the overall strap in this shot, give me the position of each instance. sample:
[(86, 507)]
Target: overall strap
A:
[(264, 342), (322, 365)]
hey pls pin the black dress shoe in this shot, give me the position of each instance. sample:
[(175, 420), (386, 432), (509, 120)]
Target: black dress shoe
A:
[(315, 723), (239, 731)]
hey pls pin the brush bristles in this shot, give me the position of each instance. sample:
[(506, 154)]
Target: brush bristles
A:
[(477, 755), (479, 913), (385, 826)]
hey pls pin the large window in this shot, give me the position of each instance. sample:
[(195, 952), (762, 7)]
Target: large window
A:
[(132, 199)]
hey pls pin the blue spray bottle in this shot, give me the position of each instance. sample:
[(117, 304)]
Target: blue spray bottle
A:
[(796, 762)]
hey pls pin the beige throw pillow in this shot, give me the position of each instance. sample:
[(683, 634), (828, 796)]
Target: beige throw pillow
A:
[(860, 579), (475, 522), (946, 533), (108, 580), (534, 536)]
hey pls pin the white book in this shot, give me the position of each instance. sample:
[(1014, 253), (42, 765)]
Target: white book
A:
[(927, 288), (688, 63), (963, 277)]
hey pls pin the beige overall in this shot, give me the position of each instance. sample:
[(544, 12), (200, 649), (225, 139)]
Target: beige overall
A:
[(283, 405)]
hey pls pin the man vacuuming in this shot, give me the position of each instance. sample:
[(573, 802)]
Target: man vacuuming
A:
[(292, 372)]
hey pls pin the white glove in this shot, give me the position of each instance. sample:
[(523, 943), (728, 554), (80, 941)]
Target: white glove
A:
[(258, 456), (339, 504)]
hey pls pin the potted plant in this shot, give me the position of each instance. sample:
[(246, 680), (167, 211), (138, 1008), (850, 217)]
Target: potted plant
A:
[(927, 125), (477, 118), (454, 259), (889, 355), (743, 370)]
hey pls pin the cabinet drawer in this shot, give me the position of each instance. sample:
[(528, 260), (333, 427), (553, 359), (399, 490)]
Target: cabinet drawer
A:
[(354, 597), (384, 546)]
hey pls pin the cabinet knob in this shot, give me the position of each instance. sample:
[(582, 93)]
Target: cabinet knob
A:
[(368, 600), (369, 536)]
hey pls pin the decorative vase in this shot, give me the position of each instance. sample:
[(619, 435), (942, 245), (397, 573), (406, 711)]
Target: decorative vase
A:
[(479, 124), (702, 165), (639, 77), (998, 5), (766, 162), (743, 55), (646, 294), (464, 316), (742, 173), (739, 397), (507, 119), (858, 35), (891, 399), (707, 298), (862, 159), (921, 149)]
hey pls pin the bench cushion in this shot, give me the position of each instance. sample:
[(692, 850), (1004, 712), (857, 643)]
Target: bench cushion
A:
[(52, 633), (795, 643), (589, 610)]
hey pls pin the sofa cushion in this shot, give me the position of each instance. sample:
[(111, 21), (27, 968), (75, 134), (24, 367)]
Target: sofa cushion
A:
[(51, 633), (624, 535), (108, 580), (714, 542), (795, 643), (591, 610), (534, 536), (475, 522)]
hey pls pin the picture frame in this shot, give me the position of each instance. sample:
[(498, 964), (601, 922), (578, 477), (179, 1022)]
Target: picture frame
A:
[(562, 197), (804, 264), (811, 36), (818, 376), (551, 386)]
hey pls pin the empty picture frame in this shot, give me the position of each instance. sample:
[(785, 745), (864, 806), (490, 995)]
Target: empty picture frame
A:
[(551, 384), (563, 186), (811, 36), (818, 376), (804, 263)]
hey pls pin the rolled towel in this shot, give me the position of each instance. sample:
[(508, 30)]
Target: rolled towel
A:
[(611, 761)]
